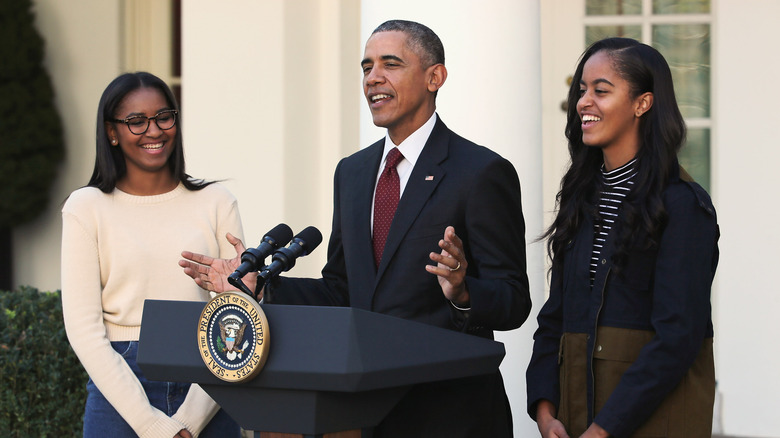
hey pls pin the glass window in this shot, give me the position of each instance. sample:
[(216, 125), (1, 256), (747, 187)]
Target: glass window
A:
[(613, 7), (695, 156), (681, 7), (686, 48), (595, 33)]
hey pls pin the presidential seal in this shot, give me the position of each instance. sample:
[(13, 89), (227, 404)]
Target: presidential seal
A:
[(233, 337)]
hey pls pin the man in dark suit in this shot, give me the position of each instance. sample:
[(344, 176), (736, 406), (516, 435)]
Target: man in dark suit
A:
[(459, 208)]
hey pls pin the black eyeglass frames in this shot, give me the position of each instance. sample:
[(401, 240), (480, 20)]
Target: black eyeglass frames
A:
[(138, 125)]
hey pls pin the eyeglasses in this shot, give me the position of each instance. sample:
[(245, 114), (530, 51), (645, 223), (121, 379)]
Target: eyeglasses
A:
[(138, 125)]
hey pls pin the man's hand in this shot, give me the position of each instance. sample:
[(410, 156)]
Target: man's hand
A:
[(450, 268), (211, 274)]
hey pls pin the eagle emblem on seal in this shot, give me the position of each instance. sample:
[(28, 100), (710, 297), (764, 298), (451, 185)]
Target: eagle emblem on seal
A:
[(231, 329)]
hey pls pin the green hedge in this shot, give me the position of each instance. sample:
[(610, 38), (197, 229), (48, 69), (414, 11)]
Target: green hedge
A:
[(42, 383)]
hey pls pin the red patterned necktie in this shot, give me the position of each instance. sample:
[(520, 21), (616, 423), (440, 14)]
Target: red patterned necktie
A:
[(388, 192)]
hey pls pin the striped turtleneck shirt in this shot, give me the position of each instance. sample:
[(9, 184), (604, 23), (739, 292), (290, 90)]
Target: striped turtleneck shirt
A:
[(615, 186)]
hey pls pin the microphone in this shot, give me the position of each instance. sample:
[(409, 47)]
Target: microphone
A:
[(284, 258), (254, 257)]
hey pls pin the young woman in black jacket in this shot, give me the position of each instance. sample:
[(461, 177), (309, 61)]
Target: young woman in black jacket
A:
[(624, 344)]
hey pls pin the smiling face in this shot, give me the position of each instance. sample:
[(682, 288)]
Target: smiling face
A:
[(399, 89), (148, 153), (610, 115)]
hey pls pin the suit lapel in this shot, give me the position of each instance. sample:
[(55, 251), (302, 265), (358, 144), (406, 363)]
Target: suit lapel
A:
[(425, 177), (356, 226), (365, 179)]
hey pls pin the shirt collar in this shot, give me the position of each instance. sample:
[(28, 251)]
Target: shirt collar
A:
[(412, 146)]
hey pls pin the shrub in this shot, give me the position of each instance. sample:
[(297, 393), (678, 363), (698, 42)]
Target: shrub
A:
[(42, 383), (31, 137), (32, 145)]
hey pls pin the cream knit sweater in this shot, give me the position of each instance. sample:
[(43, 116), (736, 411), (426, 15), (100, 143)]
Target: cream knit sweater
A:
[(119, 250)]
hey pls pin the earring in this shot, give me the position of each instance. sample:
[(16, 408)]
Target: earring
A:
[(114, 142)]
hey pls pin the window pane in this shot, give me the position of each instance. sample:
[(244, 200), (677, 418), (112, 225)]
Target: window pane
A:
[(613, 7), (681, 6), (595, 33), (686, 48), (695, 156)]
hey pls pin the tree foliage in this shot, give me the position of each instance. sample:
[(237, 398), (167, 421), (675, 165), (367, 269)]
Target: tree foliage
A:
[(31, 143)]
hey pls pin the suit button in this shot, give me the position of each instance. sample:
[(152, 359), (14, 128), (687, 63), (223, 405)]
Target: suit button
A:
[(598, 348), (603, 261)]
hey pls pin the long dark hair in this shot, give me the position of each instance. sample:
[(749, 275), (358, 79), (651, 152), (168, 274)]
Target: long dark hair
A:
[(110, 164), (661, 134)]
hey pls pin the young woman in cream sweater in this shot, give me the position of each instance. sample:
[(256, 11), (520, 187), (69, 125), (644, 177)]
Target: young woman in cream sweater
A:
[(121, 240)]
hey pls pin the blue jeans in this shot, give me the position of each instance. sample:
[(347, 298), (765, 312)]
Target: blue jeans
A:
[(102, 420)]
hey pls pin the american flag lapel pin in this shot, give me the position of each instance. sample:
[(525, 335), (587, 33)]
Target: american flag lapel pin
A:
[(429, 178)]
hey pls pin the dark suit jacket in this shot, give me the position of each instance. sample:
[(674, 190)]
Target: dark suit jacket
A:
[(454, 182)]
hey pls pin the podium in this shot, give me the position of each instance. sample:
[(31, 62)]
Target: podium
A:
[(329, 369)]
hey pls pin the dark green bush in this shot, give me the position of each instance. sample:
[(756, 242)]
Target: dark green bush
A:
[(42, 383), (31, 137)]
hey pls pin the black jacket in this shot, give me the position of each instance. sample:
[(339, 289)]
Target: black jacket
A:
[(454, 182), (663, 290)]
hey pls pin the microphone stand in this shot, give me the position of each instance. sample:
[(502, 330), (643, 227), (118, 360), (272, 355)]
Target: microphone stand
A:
[(235, 280)]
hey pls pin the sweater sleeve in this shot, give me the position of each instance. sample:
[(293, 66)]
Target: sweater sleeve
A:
[(196, 411), (229, 222), (83, 317)]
